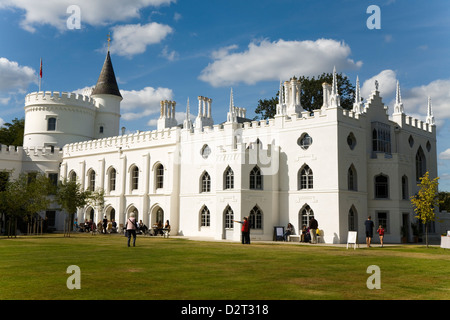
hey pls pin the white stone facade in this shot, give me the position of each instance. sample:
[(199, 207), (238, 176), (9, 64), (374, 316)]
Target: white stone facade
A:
[(335, 164)]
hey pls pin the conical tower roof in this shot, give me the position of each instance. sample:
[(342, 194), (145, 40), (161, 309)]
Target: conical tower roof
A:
[(107, 83)]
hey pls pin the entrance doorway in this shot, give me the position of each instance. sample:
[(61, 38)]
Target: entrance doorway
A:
[(405, 227)]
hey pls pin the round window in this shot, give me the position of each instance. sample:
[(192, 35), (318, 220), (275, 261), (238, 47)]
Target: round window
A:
[(305, 141), (206, 151)]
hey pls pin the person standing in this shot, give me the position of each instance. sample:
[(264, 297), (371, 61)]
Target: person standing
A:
[(245, 230), (369, 230), (313, 225), (131, 229), (380, 231), (105, 224)]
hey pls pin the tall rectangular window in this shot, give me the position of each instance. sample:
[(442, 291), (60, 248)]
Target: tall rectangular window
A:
[(51, 124), (381, 137), (382, 219)]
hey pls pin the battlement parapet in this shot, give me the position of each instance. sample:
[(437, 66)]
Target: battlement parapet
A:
[(13, 152), (124, 142), (60, 98), (414, 124)]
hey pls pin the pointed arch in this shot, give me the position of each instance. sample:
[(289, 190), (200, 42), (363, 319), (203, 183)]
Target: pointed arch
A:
[(256, 218), (352, 178), (205, 182), (228, 178), (228, 216), (305, 178), (205, 217), (304, 216), (256, 179), (421, 164), (352, 219)]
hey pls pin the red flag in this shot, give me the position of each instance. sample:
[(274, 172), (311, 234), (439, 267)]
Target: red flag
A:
[(40, 72)]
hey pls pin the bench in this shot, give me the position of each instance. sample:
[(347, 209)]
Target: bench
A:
[(293, 236)]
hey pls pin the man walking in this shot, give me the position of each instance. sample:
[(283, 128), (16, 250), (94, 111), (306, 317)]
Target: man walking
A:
[(369, 230), (313, 225)]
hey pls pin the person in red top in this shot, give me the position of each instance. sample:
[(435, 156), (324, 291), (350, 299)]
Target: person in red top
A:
[(380, 231), (245, 230)]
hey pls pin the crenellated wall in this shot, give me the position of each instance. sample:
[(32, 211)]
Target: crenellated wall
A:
[(74, 116)]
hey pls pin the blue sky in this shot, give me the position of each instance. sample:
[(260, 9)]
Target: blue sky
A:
[(168, 49)]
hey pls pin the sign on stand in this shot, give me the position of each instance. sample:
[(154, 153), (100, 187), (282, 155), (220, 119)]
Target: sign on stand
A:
[(352, 238)]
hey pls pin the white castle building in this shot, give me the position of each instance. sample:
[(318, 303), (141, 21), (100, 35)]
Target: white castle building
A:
[(337, 165)]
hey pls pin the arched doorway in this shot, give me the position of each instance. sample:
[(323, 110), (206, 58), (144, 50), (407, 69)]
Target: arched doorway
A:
[(228, 224), (157, 215), (133, 209), (304, 216)]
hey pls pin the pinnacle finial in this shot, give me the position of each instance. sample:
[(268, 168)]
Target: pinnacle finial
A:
[(430, 117), (109, 40), (357, 105), (231, 101), (334, 85), (398, 100)]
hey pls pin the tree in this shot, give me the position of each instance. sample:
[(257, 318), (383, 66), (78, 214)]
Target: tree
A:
[(426, 200), (24, 198), (444, 201), (11, 134), (70, 197), (312, 95), (97, 200)]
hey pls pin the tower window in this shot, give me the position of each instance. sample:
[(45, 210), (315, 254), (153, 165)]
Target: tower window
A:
[(51, 124)]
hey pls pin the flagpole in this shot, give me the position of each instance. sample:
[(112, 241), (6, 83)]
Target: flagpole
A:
[(40, 76)]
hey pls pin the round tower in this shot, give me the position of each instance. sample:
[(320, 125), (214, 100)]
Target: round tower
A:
[(107, 97), (53, 119)]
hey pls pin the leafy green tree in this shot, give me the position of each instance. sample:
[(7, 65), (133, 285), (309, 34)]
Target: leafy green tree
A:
[(24, 197), (70, 196), (312, 95), (11, 134), (426, 200), (444, 201)]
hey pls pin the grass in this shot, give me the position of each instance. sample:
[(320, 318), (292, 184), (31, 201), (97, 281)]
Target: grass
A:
[(34, 267)]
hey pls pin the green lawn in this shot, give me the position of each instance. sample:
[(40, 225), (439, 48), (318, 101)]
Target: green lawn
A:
[(35, 267)]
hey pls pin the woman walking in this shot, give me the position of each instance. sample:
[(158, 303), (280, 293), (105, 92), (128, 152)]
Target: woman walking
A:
[(131, 229)]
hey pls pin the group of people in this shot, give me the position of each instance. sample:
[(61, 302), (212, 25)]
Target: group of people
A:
[(309, 234), (369, 231), (103, 226)]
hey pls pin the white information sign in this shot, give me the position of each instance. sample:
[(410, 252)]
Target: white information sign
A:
[(352, 238)]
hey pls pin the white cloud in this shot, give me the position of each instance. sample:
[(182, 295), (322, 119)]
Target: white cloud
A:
[(98, 12), (142, 103), (445, 155), (277, 60), (132, 39), (169, 55), (14, 77), (415, 100), (387, 80), (179, 116)]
